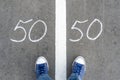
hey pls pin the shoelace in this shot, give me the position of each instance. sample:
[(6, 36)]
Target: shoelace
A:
[(77, 68), (42, 69)]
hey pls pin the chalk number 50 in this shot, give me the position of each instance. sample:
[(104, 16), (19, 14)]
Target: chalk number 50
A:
[(87, 33), (25, 33)]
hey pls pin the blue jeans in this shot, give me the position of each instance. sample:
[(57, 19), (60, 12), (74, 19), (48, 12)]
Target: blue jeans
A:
[(44, 77), (74, 76), (47, 77)]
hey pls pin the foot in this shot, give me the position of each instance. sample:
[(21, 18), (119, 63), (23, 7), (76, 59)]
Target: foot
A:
[(79, 67), (41, 66)]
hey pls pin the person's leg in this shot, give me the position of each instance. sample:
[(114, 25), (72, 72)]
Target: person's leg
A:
[(78, 69), (41, 68), (73, 76), (44, 77)]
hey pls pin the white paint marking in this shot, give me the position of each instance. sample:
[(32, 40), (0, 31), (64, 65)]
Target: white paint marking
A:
[(76, 28), (22, 28), (60, 38), (42, 35), (101, 29)]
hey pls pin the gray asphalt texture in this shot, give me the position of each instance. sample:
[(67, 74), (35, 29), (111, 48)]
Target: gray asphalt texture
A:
[(102, 55), (17, 60)]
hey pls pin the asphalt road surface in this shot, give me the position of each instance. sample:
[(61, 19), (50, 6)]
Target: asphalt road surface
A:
[(17, 58), (102, 54), (27, 31)]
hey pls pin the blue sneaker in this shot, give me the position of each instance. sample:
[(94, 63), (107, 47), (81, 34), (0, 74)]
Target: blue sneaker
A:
[(41, 66), (79, 67)]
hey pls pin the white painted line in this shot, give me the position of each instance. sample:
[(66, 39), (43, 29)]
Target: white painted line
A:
[(60, 40)]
